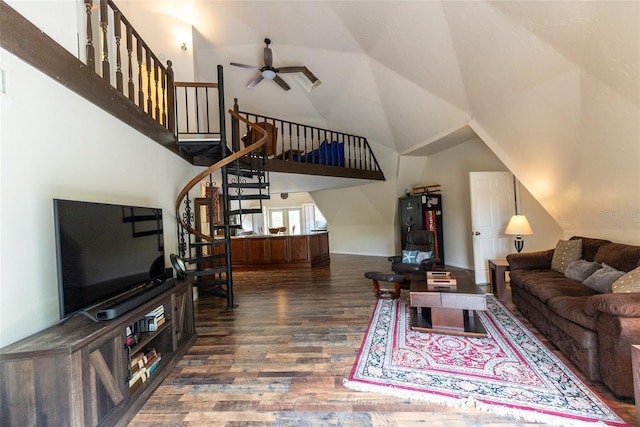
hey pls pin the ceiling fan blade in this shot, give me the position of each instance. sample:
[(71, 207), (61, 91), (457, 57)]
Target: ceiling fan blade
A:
[(282, 83), (304, 70), (291, 69), (268, 57), (253, 67), (256, 81)]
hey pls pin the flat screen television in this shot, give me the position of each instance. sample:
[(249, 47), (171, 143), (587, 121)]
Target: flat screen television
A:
[(106, 253)]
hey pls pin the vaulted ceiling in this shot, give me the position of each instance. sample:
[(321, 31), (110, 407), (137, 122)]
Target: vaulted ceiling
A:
[(552, 87)]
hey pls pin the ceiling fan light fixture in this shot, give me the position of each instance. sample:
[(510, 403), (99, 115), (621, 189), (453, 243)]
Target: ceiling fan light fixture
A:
[(269, 74)]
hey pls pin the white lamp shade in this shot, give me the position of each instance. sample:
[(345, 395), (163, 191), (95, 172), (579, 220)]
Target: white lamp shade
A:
[(519, 226)]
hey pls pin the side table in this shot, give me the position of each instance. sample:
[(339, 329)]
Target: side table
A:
[(497, 270)]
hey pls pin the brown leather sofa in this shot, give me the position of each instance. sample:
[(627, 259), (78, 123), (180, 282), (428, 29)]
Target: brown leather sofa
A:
[(594, 330)]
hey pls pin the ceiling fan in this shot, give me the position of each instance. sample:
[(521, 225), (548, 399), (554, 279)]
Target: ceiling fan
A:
[(269, 72)]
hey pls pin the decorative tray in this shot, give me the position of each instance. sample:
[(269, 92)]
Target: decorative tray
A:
[(441, 278)]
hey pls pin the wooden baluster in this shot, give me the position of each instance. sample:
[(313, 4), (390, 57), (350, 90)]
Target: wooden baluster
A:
[(171, 105), (163, 96), (91, 60), (155, 78), (104, 25), (140, 81), (118, 34), (132, 88), (148, 66)]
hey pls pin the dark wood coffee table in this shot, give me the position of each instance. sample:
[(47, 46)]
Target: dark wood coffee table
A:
[(445, 309)]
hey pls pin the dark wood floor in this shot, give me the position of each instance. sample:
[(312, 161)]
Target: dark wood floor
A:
[(280, 357)]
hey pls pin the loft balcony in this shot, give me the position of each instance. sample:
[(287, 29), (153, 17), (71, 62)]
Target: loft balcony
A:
[(124, 77)]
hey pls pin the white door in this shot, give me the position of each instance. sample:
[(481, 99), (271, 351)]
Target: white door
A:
[(492, 205)]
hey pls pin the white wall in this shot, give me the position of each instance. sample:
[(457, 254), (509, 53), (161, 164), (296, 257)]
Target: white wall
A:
[(360, 219), (450, 169), (54, 144)]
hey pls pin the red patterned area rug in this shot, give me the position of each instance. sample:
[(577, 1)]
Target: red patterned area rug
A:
[(509, 373)]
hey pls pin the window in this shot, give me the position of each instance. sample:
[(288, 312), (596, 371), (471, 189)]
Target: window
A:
[(286, 217), (313, 219)]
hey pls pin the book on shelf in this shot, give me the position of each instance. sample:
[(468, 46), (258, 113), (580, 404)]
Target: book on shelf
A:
[(154, 364), (149, 356), (156, 312), (141, 373), (135, 386), (151, 321)]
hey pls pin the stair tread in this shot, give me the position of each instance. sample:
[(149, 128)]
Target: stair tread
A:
[(244, 211), (251, 197), (248, 185)]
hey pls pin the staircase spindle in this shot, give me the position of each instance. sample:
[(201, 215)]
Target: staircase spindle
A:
[(155, 80), (118, 35), (148, 68), (131, 87), (140, 80), (90, 51), (104, 25)]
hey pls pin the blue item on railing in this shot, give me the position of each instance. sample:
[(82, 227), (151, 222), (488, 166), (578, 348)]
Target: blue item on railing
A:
[(331, 154)]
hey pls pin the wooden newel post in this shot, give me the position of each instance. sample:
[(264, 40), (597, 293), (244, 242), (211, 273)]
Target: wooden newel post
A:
[(171, 105), (235, 127)]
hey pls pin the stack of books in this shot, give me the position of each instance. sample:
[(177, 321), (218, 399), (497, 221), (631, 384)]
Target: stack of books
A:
[(142, 366)]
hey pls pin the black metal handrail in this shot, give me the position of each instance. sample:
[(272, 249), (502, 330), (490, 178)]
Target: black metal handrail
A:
[(298, 142)]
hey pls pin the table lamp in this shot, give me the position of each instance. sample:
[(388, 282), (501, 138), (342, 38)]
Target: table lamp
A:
[(518, 226)]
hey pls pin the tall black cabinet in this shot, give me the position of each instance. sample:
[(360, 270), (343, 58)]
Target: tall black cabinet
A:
[(422, 212)]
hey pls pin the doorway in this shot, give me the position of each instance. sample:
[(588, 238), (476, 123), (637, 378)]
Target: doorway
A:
[(492, 205)]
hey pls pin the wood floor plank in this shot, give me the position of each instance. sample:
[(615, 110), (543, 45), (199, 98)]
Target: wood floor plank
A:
[(279, 358)]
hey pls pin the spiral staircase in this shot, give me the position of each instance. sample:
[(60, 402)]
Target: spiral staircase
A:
[(210, 208)]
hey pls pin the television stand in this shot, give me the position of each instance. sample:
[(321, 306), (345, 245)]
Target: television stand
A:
[(93, 364)]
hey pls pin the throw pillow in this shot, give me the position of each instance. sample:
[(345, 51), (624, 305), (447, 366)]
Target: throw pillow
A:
[(423, 255), (602, 280), (629, 282), (409, 257), (566, 251), (581, 269)]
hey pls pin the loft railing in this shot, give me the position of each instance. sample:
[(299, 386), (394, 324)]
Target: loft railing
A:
[(302, 143), (149, 84), (196, 108)]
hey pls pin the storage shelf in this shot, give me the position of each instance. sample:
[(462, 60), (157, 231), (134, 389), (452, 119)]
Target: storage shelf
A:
[(90, 365)]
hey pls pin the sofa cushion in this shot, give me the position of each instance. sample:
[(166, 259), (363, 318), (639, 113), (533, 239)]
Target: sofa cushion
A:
[(590, 246), (581, 269), (602, 280), (628, 283), (619, 256), (572, 308), (565, 252), (530, 260), (546, 284)]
